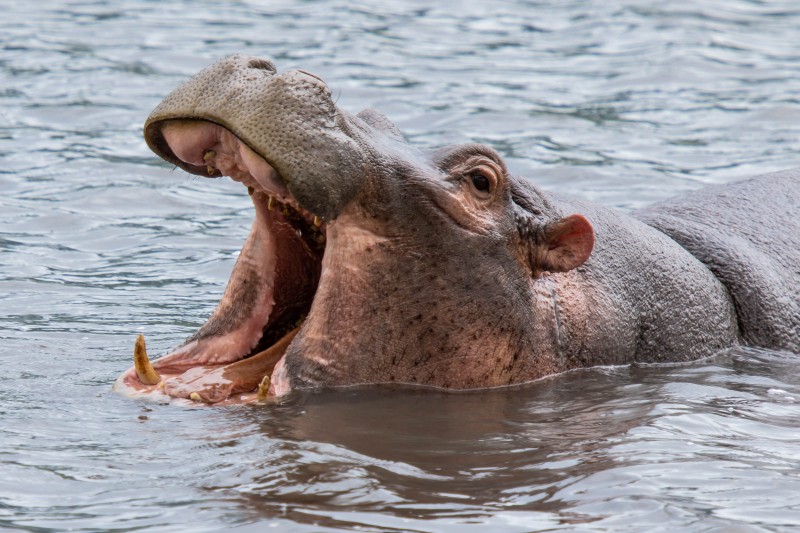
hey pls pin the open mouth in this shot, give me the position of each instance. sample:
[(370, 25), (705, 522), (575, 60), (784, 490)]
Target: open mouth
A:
[(237, 354)]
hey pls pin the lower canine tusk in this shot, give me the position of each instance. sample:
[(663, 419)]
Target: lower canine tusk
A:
[(144, 370), (263, 388), (317, 221), (271, 202)]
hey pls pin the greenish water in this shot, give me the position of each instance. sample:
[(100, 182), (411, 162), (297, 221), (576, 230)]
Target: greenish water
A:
[(622, 103)]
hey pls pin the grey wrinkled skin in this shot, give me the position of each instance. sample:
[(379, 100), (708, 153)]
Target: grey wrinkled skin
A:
[(425, 281), (748, 235)]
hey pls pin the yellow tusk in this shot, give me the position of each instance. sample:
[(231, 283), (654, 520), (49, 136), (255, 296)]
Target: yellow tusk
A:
[(250, 191), (209, 155), (211, 170), (317, 221), (263, 388), (196, 397), (144, 370), (271, 202)]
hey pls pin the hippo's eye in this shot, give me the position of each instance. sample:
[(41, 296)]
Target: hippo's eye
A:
[(480, 182)]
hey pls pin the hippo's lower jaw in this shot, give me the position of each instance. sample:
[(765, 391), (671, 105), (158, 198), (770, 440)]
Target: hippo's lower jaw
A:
[(240, 349)]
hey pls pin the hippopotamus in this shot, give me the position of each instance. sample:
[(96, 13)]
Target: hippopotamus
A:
[(371, 261)]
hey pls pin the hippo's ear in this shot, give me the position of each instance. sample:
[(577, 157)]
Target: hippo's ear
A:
[(566, 244)]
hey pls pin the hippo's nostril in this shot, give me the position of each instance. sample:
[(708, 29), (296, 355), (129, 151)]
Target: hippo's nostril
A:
[(262, 64)]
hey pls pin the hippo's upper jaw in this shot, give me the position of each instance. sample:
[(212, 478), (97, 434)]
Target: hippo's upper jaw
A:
[(368, 261)]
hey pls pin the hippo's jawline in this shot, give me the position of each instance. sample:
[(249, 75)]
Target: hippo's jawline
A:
[(271, 287)]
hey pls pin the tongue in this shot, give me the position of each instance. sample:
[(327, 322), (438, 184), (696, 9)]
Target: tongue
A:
[(215, 384)]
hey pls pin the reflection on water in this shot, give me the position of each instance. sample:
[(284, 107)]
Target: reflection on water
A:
[(610, 447), (623, 103)]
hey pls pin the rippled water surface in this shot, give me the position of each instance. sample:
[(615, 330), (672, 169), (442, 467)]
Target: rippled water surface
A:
[(623, 103)]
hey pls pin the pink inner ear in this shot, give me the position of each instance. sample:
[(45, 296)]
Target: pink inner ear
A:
[(569, 243)]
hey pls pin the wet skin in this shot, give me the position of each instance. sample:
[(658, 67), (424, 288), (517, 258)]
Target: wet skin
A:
[(371, 261)]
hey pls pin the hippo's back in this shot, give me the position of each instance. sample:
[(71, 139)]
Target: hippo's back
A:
[(748, 234)]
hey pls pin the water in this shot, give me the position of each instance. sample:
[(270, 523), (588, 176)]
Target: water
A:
[(621, 103)]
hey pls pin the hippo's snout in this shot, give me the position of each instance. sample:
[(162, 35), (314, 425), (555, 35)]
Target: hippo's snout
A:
[(287, 120)]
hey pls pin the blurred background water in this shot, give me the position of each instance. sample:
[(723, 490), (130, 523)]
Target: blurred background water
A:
[(621, 102)]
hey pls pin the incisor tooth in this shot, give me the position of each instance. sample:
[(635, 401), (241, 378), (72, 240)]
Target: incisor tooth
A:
[(317, 221), (195, 397), (271, 202), (263, 388), (209, 155), (211, 170), (144, 370)]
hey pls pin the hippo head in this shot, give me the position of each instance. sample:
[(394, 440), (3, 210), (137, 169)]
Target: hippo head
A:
[(369, 261)]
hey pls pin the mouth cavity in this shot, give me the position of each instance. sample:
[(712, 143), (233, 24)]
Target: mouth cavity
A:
[(237, 355)]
